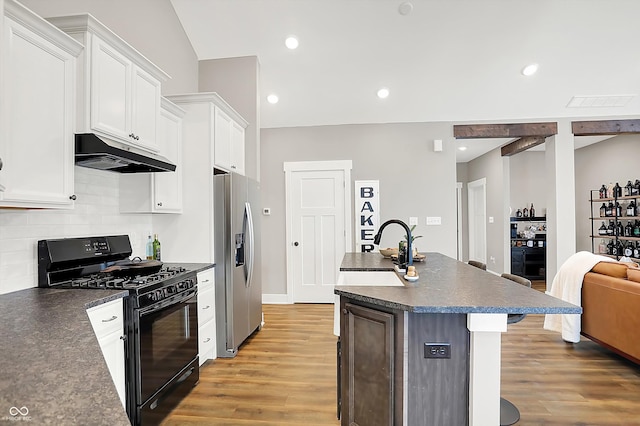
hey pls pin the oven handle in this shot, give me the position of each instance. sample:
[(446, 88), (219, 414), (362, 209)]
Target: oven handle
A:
[(178, 298), (182, 378)]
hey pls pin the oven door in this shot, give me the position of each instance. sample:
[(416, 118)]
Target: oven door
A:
[(167, 341)]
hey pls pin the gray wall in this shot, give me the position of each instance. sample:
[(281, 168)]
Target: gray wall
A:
[(527, 182), (462, 176), (490, 166), (414, 181), (613, 160), (236, 80), (150, 26)]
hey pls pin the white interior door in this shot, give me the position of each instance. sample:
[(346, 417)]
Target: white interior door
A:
[(477, 220), (317, 205)]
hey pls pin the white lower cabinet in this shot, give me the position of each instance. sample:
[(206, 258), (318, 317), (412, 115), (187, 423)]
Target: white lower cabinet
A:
[(206, 316), (108, 324)]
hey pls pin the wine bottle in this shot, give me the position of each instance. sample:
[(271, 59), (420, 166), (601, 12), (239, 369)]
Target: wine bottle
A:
[(617, 191), (610, 229), (619, 229), (532, 211), (603, 191), (636, 187), (519, 213), (602, 230), (618, 211), (609, 212), (610, 248), (628, 230), (156, 248), (628, 250), (636, 229), (628, 189), (631, 208), (525, 212), (603, 210), (149, 248)]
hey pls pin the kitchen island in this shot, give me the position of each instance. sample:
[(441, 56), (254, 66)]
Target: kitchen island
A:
[(427, 352)]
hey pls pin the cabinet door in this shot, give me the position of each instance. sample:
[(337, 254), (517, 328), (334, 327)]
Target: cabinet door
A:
[(206, 341), (145, 109), (222, 140), (38, 109), (237, 148), (167, 186), (368, 354), (110, 88), (108, 325)]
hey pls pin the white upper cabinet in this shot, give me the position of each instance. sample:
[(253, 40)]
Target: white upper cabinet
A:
[(37, 110), (120, 89), (226, 129), (159, 192)]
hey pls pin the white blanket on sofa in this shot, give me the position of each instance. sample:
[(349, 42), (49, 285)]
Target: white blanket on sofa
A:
[(567, 285)]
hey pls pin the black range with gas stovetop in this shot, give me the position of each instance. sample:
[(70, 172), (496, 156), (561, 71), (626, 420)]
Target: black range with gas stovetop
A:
[(161, 323)]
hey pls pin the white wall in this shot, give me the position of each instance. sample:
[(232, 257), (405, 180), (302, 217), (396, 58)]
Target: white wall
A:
[(612, 160), (414, 181), (96, 212)]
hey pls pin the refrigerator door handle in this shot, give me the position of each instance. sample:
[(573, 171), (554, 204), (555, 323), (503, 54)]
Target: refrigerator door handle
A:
[(247, 208)]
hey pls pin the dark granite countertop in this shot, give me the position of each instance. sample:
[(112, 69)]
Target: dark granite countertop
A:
[(446, 285), (50, 359)]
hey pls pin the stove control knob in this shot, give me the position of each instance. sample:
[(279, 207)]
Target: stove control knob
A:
[(171, 289)]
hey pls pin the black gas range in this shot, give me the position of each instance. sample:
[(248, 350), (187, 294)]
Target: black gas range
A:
[(161, 323)]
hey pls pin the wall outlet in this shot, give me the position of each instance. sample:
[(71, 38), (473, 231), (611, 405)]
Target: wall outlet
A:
[(437, 350), (492, 259), (266, 211), (490, 219), (434, 220)]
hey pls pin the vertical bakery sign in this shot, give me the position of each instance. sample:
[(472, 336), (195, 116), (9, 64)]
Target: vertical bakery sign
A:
[(367, 212)]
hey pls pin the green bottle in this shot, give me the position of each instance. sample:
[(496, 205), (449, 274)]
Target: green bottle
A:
[(156, 248)]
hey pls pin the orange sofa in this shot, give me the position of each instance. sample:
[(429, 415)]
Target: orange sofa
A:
[(611, 308)]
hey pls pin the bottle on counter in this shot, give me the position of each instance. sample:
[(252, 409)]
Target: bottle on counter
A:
[(610, 248), (518, 213), (636, 187), (602, 193), (602, 230), (617, 191), (628, 230), (603, 210), (525, 212), (149, 248), (156, 248), (618, 211), (532, 211), (628, 189), (619, 229), (631, 208)]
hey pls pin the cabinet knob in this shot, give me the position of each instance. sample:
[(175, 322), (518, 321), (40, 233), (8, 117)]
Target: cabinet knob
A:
[(345, 311), (73, 197), (296, 244), (160, 204)]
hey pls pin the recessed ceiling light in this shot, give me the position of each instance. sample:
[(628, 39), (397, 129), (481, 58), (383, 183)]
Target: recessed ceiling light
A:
[(291, 42), (383, 92), (462, 148), (272, 99), (530, 69), (405, 8)]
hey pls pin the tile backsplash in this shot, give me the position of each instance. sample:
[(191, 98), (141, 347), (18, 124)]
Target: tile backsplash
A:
[(96, 212)]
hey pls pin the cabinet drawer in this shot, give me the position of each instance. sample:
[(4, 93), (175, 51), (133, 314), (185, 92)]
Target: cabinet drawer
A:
[(207, 341), (206, 305), (205, 279), (107, 318)]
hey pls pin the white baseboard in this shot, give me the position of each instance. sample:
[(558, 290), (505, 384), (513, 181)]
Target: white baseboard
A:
[(275, 299)]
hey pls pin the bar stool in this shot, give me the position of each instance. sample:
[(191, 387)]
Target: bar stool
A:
[(478, 264), (509, 413)]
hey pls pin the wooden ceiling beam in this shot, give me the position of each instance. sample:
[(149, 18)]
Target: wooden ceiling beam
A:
[(604, 127), (520, 145), (516, 130)]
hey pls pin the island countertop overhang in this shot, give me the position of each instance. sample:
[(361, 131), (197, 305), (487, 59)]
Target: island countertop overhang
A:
[(446, 285)]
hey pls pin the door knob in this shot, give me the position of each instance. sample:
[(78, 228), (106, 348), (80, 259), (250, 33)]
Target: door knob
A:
[(295, 244)]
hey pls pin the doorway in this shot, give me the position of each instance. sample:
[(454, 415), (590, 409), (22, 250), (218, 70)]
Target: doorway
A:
[(318, 203), (477, 205)]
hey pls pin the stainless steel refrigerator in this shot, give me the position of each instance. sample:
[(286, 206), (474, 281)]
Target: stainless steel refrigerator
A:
[(237, 257)]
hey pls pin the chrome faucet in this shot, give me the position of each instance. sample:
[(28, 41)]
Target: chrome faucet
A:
[(378, 236)]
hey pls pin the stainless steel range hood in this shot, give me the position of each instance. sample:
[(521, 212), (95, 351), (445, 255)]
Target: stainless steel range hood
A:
[(103, 154)]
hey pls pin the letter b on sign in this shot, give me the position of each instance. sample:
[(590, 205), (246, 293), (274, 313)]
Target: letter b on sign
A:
[(366, 192)]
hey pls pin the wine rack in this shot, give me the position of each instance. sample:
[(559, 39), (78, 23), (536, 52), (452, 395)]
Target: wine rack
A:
[(618, 239)]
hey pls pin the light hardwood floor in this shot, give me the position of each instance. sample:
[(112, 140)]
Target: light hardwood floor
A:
[(286, 375)]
